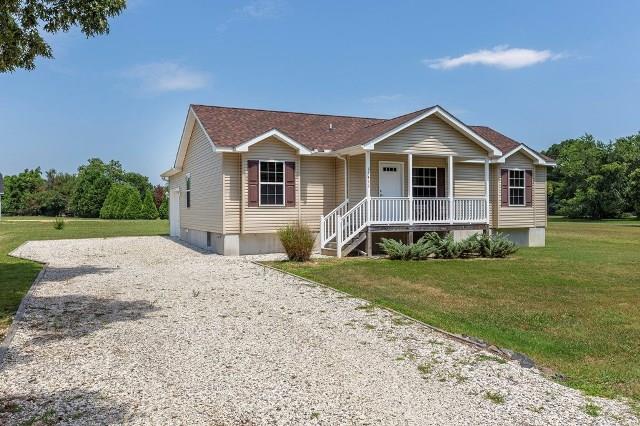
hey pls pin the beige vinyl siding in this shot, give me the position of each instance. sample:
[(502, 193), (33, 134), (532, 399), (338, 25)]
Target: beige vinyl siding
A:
[(232, 187), (468, 180), (340, 181), (264, 219), (432, 136), (317, 189), (356, 179), (540, 195), (205, 166), (515, 217)]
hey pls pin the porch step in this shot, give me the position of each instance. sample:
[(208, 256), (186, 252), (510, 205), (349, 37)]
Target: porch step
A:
[(331, 248), (355, 242)]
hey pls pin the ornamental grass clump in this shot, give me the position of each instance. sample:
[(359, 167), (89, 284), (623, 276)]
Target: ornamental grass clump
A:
[(58, 223), (297, 240)]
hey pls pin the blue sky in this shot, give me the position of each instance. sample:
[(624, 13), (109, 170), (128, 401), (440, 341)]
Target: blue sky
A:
[(540, 72)]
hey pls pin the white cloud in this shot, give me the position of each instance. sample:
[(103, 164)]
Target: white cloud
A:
[(262, 9), (378, 99), (167, 77), (502, 57)]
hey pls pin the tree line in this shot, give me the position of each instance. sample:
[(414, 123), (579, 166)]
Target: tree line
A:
[(98, 189), (594, 179)]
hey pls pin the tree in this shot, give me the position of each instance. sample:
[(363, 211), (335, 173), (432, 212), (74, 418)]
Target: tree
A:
[(18, 188), (600, 196), (46, 203), (149, 210), (163, 211), (23, 22), (116, 201), (133, 210), (633, 194), (92, 186), (159, 194), (138, 181)]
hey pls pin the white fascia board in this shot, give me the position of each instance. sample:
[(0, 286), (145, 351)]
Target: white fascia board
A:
[(244, 147), (190, 123), (530, 153), (172, 171), (450, 119)]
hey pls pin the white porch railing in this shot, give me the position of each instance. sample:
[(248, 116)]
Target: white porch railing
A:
[(343, 224), (328, 223), (431, 210), (470, 210), (389, 210), (351, 224)]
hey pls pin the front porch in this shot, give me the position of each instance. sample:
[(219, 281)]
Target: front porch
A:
[(434, 196)]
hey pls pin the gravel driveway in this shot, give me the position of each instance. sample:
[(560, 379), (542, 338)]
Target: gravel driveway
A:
[(148, 331)]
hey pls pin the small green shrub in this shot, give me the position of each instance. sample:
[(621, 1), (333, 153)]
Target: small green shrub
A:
[(396, 250), (163, 210), (58, 223), (297, 241), (495, 245), (443, 248)]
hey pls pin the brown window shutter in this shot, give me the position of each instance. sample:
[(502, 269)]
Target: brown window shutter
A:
[(528, 187), (440, 190), (290, 183), (504, 182), (252, 182)]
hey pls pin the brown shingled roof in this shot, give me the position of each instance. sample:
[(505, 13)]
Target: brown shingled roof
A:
[(229, 127)]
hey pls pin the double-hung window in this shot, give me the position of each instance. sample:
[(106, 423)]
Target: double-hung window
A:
[(271, 183), (188, 190), (516, 187), (425, 182)]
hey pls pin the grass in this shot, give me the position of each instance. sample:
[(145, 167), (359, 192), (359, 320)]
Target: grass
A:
[(572, 306), (592, 409), (16, 275), (494, 397)]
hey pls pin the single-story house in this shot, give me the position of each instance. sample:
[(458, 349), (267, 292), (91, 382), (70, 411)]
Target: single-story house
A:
[(241, 174)]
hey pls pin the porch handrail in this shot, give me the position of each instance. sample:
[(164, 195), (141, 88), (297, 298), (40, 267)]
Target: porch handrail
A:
[(351, 224), (470, 210), (328, 223)]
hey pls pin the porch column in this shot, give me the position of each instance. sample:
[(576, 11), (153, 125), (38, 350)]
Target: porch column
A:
[(450, 187), (486, 186), (367, 171), (410, 186)]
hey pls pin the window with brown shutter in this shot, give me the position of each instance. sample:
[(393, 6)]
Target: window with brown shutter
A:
[(290, 183), (272, 183), (528, 188), (517, 188), (504, 187), (440, 183), (252, 178)]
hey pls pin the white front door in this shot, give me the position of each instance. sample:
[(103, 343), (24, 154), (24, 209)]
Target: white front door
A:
[(391, 179), (174, 213)]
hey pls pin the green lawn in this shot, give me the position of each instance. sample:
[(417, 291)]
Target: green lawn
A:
[(16, 275), (573, 306)]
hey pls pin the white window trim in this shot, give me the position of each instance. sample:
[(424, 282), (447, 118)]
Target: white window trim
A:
[(284, 181), (187, 189), (523, 187), (425, 186)]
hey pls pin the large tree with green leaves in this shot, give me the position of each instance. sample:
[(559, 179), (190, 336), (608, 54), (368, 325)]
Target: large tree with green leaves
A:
[(19, 188), (23, 23), (92, 185)]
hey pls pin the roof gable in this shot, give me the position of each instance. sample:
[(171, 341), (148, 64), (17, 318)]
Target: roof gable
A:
[(416, 117)]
